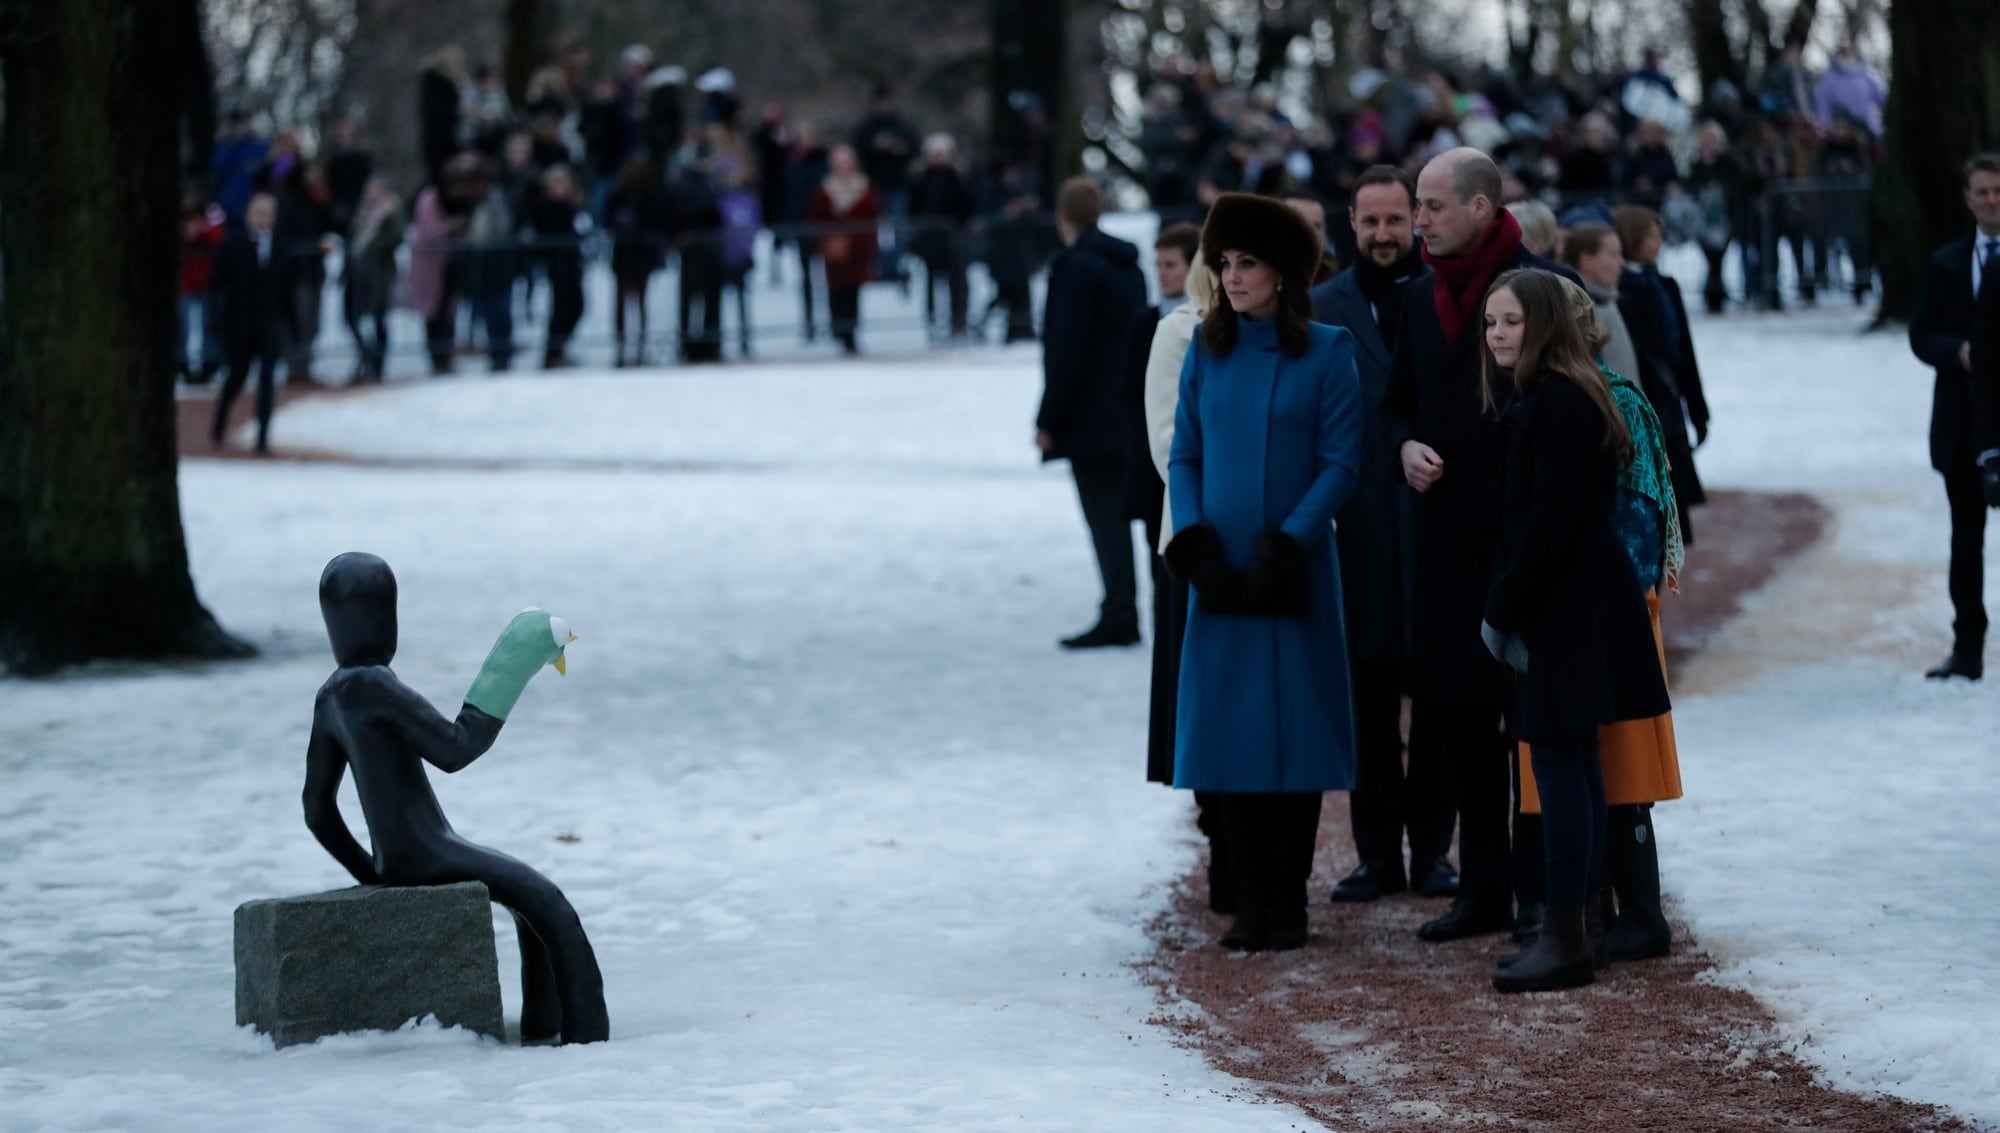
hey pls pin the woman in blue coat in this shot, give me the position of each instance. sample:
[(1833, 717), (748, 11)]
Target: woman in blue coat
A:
[(1266, 449)]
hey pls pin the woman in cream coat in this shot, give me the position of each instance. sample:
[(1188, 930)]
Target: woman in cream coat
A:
[(1170, 599)]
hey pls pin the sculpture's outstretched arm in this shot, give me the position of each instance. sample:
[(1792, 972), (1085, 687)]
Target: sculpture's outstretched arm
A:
[(326, 764), (448, 745)]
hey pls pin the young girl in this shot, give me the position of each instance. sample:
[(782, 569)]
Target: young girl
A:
[(1566, 609)]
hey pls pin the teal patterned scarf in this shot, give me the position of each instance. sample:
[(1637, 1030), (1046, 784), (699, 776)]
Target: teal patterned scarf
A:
[(1648, 475)]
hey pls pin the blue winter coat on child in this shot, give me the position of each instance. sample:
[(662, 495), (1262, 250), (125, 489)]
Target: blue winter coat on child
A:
[(1263, 440)]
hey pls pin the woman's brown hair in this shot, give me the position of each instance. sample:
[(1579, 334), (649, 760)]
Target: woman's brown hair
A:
[(1294, 315), (1634, 223), (1552, 342)]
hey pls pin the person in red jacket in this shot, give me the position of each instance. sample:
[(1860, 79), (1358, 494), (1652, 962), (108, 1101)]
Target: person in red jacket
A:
[(845, 213), (202, 225)]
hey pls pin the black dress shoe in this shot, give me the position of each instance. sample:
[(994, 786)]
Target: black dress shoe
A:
[(1958, 665), (1434, 878), (1528, 921), (1247, 933), (1104, 635), (1370, 882), (1468, 917), (1284, 934)]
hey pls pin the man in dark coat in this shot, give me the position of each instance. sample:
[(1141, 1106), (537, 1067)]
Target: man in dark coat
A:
[(248, 283), (1448, 448), (1373, 532), (1941, 333), (1095, 291)]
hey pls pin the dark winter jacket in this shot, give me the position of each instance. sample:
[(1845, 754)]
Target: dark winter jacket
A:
[(1433, 397), (1941, 324), (1671, 378), (437, 114), (1095, 292), (247, 291), (886, 145), (942, 199), (1565, 585), (1374, 528)]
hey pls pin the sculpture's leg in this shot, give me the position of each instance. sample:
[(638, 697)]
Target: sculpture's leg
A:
[(541, 1007), (579, 986)]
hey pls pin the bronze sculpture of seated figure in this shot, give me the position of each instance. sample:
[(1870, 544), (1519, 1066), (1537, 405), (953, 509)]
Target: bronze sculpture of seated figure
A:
[(365, 718)]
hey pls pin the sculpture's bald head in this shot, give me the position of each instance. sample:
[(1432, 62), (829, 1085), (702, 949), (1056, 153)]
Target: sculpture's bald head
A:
[(1458, 198), (357, 597)]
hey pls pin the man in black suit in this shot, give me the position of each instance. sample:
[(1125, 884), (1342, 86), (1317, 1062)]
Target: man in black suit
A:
[(1373, 534), (1448, 448), (1095, 290), (247, 285), (1941, 333)]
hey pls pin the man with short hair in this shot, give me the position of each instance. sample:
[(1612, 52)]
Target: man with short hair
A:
[(1447, 446), (1373, 531), (1095, 290), (1941, 333), (1314, 211)]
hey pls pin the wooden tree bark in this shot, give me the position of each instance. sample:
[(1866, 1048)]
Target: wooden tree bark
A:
[(92, 559), (1714, 56), (527, 43), (1944, 106)]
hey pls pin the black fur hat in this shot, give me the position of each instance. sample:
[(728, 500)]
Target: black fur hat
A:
[(1267, 229)]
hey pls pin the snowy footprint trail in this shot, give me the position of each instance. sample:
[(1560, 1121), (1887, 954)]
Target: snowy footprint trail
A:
[(858, 848)]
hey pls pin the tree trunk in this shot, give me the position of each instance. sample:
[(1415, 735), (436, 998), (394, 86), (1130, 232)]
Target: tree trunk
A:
[(1714, 59), (1944, 106), (526, 43), (1031, 57), (92, 559)]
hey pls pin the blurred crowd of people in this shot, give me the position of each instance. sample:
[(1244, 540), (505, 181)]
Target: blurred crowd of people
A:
[(1785, 162), (648, 170)]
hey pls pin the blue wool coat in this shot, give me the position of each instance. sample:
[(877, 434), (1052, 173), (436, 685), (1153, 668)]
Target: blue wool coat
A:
[(1264, 440)]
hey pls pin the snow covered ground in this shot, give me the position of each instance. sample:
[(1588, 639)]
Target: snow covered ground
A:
[(859, 849), (1832, 848)]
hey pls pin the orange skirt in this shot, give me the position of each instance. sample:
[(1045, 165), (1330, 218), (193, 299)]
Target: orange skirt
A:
[(1641, 764)]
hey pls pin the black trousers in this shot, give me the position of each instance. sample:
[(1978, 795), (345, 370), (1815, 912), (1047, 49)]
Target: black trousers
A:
[(1170, 606), (1389, 800), (1465, 737), (1574, 818), (565, 306), (266, 360), (1968, 560), (1271, 839), (367, 311), (1100, 487), (701, 303), (843, 308), (945, 268)]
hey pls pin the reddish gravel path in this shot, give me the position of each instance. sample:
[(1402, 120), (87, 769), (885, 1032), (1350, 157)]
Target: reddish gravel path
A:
[(1369, 1028)]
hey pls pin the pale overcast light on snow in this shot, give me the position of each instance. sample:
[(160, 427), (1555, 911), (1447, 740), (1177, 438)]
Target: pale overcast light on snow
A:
[(858, 848)]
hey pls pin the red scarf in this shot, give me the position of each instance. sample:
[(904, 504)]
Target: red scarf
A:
[(1459, 283)]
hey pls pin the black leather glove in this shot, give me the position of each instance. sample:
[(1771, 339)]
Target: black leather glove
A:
[(1279, 581), (1195, 557), (1989, 481)]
